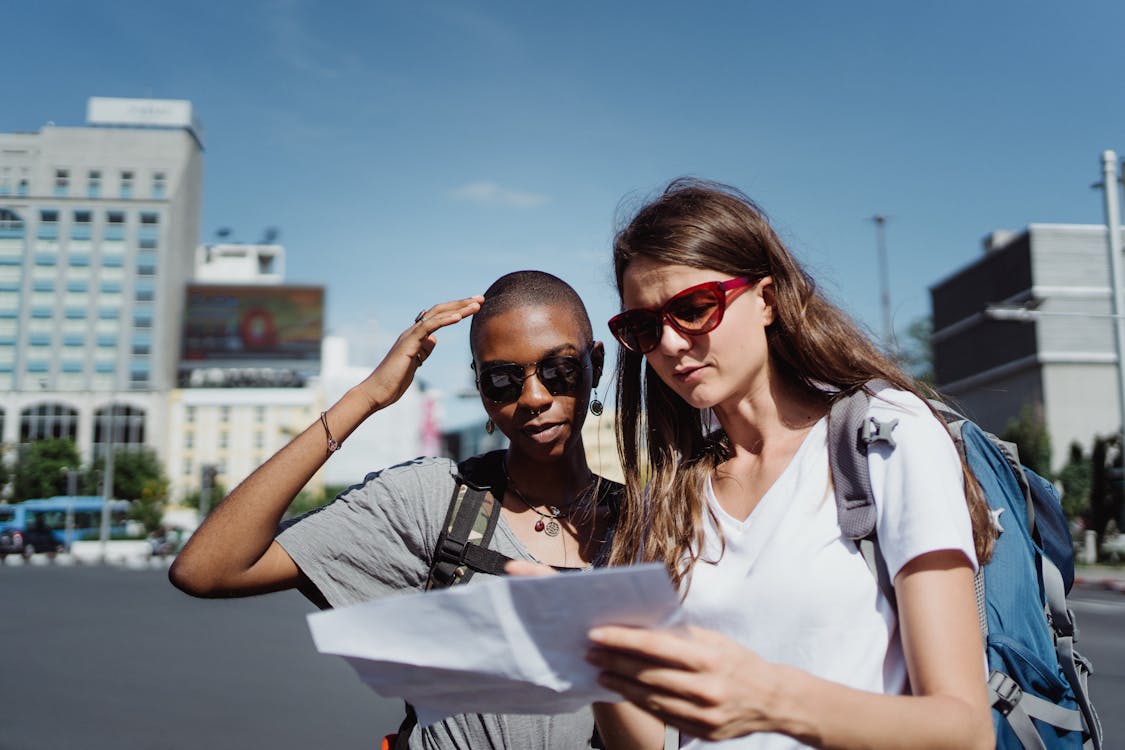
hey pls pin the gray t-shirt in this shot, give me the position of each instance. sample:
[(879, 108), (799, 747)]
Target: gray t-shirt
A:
[(378, 538)]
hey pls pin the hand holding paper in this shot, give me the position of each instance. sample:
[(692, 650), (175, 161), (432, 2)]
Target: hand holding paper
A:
[(506, 645)]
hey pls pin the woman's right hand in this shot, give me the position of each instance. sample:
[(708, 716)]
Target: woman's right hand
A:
[(393, 375)]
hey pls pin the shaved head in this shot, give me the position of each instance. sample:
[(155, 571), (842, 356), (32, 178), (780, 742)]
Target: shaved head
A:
[(521, 289)]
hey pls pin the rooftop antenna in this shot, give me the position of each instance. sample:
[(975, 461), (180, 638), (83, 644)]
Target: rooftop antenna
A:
[(880, 221)]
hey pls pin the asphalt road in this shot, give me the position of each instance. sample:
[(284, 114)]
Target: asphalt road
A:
[(104, 658), (1101, 638)]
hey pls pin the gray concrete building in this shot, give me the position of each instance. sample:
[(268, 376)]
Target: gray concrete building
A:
[(1060, 359), (99, 227)]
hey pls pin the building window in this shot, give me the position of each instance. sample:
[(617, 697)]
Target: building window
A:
[(127, 184), (94, 183), (224, 414), (11, 225), (159, 184), (189, 415), (48, 420), (259, 439), (224, 439), (115, 225), (189, 439), (149, 218), (80, 227), (259, 414), (62, 182), (123, 424), (187, 467)]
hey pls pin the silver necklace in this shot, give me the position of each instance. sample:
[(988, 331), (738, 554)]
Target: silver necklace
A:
[(549, 526)]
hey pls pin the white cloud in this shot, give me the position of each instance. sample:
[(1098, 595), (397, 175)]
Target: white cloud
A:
[(489, 193)]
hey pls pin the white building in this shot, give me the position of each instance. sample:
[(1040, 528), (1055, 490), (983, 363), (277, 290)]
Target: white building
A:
[(1060, 360), (98, 226)]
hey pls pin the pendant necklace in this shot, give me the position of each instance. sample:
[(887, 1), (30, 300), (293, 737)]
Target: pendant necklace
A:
[(550, 526)]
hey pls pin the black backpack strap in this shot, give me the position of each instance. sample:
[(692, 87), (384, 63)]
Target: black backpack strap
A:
[(461, 548), (850, 432)]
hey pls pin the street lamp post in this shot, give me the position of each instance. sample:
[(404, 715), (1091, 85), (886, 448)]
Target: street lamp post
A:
[(884, 281), (1110, 181)]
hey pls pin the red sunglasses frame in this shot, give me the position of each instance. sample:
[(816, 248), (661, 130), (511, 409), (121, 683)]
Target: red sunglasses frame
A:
[(620, 322)]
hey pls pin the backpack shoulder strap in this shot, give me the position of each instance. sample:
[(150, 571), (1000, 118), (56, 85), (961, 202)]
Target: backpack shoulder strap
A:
[(851, 430), (462, 547), (474, 510)]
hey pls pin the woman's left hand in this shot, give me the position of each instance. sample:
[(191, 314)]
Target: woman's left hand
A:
[(697, 680)]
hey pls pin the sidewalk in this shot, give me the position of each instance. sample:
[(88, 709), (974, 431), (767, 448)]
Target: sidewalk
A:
[(1100, 577)]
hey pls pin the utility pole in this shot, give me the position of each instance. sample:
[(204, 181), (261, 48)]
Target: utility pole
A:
[(107, 481), (884, 282), (1110, 181)]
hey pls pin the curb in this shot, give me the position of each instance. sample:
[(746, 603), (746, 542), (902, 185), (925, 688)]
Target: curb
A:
[(1105, 584)]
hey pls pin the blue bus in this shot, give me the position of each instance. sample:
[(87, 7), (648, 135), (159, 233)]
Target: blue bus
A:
[(52, 524)]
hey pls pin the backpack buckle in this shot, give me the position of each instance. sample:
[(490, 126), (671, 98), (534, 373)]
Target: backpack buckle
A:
[(452, 551), (1006, 694), (874, 431)]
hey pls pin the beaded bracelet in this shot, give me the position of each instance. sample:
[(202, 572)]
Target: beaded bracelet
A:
[(333, 445)]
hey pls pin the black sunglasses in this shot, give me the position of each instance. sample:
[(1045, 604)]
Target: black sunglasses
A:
[(502, 383)]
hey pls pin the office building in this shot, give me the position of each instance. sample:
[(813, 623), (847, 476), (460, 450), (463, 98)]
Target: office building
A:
[(98, 229), (1060, 361)]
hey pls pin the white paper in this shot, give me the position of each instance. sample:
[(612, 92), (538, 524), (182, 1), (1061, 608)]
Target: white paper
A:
[(507, 645)]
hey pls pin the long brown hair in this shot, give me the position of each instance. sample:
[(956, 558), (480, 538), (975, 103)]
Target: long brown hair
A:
[(813, 344)]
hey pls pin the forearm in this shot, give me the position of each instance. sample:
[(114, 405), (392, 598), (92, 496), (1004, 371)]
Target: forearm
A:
[(828, 715), (227, 554), (623, 726)]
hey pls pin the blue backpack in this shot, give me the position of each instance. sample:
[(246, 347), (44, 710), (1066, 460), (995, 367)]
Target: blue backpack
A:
[(1037, 681)]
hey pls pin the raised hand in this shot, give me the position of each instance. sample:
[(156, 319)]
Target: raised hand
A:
[(393, 375)]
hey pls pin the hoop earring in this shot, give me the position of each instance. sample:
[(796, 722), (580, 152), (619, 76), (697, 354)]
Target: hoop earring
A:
[(490, 426), (596, 406)]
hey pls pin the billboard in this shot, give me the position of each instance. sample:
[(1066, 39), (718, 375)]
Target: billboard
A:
[(229, 326)]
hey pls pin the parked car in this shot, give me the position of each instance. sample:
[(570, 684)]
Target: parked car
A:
[(28, 541)]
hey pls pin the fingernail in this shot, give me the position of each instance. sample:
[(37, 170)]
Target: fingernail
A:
[(596, 634)]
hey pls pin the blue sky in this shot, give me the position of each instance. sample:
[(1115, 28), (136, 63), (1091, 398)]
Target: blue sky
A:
[(413, 152)]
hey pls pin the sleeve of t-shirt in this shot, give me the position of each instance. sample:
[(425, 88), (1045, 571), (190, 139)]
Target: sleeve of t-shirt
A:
[(918, 485), (376, 537)]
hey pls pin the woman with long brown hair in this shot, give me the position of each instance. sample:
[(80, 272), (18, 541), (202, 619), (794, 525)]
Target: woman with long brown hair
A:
[(791, 642)]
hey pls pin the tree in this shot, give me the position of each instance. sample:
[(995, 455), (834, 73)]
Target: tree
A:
[(1030, 435), (1106, 496), (916, 354), (138, 476), (40, 469), (1076, 478)]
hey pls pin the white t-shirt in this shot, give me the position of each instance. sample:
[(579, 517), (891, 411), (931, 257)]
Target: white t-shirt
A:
[(787, 585)]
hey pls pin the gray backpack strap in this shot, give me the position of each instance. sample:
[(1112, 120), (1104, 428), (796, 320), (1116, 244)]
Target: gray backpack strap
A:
[(850, 432), (1074, 665)]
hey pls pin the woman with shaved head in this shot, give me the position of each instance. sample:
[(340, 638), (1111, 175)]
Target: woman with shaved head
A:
[(536, 363)]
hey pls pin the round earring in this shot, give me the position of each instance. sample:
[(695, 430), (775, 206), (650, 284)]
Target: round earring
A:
[(490, 426), (596, 407)]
